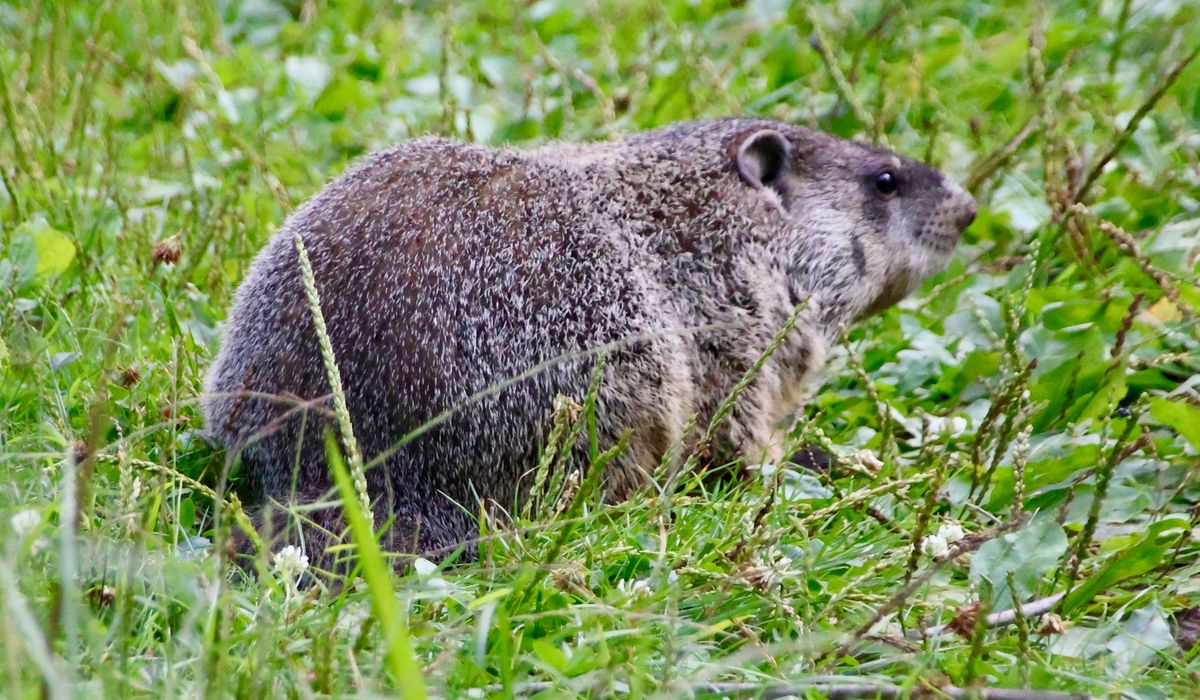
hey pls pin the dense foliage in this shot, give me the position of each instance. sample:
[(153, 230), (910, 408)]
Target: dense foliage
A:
[(1027, 425)]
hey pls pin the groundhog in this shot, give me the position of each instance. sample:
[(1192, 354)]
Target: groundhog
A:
[(445, 269)]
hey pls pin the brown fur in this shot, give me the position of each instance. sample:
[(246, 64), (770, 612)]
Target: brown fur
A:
[(446, 268)]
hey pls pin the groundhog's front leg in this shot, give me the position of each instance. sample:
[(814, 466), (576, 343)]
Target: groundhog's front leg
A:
[(650, 395), (757, 428), (754, 425)]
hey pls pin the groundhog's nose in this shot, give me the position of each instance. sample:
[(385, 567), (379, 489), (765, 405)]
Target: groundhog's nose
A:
[(959, 204), (964, 207), (967, 216)]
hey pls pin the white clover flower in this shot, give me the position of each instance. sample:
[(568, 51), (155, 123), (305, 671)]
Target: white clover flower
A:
[(772, 568), (24, 522), (632, 589), (290, 562), (939, 544), (951, 532), (935, 546)]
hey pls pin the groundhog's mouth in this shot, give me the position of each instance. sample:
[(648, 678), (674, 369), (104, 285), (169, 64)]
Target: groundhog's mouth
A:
[(942, 243), (898, 287)]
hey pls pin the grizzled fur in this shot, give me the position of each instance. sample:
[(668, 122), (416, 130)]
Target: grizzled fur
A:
[(445, 268)]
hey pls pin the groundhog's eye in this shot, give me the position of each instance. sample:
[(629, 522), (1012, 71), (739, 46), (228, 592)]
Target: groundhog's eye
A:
[(886, 183)]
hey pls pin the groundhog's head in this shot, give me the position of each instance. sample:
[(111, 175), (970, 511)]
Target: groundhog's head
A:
[(865, 224)]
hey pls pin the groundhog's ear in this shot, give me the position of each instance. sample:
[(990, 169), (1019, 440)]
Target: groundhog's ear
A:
[(762, 159)]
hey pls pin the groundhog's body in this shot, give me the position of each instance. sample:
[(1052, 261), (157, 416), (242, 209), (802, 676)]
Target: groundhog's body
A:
[(445, 269)]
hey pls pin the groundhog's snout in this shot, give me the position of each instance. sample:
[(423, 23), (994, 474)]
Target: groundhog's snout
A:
[(966, 215), (962, 206), (953, 211)]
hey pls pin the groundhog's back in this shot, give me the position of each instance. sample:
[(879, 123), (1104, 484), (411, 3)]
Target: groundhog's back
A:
[(442, 269)]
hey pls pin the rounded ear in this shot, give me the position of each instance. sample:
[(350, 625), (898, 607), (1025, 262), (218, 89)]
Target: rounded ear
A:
[(762, 159)]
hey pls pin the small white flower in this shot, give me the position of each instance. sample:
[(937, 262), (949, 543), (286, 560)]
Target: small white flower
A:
[(632, 589), (770, 570), (957, 425), (290, 562), (935, 546), (24, 522), (951, 532), (939, 544)]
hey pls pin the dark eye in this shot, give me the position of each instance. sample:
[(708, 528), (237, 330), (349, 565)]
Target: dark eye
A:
[(886, 183)]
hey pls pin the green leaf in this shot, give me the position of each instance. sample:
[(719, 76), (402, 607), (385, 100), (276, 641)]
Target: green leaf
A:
[(1144, 635), (1028, 554), (489, 597), (342, 94), (1105, 398), (1139, 558), (40, 250), (187, 514), (402, 661), (551, 655), (1182, 417)]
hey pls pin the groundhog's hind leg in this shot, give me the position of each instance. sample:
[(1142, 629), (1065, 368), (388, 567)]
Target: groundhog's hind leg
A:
[(433, 532)]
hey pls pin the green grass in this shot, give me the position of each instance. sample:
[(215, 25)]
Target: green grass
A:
[(148, 149)]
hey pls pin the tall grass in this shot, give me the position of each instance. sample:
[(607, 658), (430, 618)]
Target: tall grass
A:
[(1011, 497)]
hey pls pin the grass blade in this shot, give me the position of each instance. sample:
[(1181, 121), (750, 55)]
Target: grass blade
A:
[(402, 661)]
